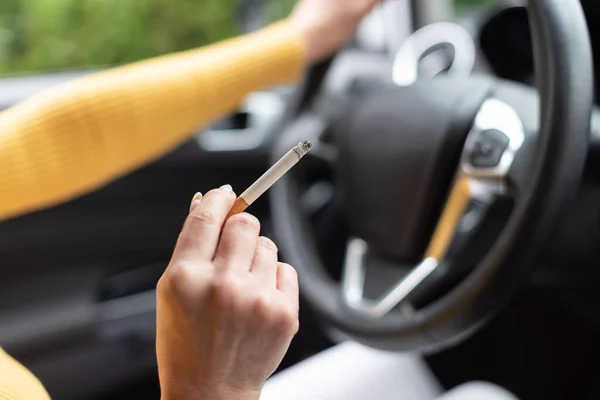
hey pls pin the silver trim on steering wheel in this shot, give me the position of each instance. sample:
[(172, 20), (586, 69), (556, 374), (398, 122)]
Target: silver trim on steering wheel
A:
[(353, 282), (405, 70), (494, 115)]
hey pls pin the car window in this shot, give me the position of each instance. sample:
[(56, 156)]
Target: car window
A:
[(51, 35), (467, 4), (47, 35), (463, 6)]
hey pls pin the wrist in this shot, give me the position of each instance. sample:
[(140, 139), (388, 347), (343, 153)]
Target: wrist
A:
[(195, 396), (309, 36), (184, 392)]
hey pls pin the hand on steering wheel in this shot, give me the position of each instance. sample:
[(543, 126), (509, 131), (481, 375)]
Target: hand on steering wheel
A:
[(326, 25)]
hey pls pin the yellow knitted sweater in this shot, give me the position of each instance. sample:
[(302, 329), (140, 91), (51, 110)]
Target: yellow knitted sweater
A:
[(79, 136)]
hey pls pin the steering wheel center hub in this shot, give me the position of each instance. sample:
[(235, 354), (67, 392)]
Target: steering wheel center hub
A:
[(396, 162)]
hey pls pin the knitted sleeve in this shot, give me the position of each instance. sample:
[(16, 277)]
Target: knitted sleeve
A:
[(79, 136)]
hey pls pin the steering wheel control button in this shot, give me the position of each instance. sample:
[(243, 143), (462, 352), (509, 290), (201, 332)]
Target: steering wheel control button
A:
[(488, 149)]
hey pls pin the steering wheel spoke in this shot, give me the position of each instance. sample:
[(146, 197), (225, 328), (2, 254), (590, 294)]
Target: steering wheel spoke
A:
[(465, 211), (354, 279)]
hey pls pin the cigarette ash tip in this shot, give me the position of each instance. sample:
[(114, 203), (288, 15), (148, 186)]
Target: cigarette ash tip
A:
[(302, 148)]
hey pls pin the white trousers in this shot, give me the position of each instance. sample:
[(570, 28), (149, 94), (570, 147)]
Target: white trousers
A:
[(350, 371)]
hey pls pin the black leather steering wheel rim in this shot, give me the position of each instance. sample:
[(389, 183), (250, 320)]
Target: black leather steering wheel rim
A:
[(563, 65)]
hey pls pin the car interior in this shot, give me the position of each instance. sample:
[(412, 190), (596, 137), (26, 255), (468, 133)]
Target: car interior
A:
[(509, 295)]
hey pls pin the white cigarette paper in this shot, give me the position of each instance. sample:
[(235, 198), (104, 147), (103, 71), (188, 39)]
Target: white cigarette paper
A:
[(273, 174), (269, 178)]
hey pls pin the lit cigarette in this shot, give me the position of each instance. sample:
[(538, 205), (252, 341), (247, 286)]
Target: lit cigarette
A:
[(268, 179)]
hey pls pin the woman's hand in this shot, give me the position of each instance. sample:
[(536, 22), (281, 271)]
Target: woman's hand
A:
[(226, 308), (328, 24)]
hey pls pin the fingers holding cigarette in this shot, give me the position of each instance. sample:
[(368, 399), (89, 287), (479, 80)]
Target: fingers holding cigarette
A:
[(239, 206), (203, 231), (210, 213)]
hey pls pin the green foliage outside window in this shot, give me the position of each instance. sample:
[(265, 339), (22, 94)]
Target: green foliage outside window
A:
[(58, 34), (462, 4), (46, 35)]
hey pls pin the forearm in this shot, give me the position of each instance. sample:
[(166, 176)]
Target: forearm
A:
[(77, 137)]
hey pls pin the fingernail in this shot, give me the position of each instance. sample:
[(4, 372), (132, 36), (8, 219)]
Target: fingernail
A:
[(195, 200), (197, 196), (227, 187)]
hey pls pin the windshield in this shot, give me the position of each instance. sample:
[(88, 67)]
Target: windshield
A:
[(43, 35)]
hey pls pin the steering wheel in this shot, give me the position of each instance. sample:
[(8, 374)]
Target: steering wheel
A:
[(461, 178)]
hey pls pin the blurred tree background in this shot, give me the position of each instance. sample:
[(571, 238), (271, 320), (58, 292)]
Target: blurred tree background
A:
[(65, 34)]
